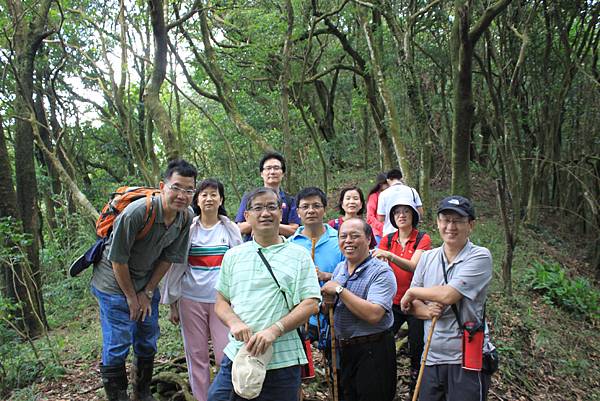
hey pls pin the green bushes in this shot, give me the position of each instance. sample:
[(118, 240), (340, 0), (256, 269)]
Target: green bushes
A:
[(574, 295)]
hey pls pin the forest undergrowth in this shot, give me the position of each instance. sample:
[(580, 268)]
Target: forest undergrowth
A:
[(546, 332)]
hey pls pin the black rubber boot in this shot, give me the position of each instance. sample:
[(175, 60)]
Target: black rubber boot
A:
[(114, 379), (141, 377)]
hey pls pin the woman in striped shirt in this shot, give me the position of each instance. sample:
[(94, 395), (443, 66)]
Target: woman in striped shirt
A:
[(190, 288)]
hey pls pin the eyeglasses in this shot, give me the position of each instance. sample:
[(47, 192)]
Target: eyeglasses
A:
[(315, 206), (272, 168), (179, 190), (271, 207), (404, 212), (446, 222)]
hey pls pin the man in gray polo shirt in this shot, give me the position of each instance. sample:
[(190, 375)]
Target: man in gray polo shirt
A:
[(125, 281), (449, 280), (363, 290)]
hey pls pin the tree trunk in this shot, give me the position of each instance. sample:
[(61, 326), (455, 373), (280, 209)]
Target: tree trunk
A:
[(464, 38), (284, 82), (29, 33), (388, 101), (156, 110)]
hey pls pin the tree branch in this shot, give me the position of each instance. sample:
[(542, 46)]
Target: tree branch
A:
[(486, 19)]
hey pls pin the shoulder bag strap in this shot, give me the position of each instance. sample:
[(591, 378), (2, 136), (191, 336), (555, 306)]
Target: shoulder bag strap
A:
[(453, 306), (270, 269)]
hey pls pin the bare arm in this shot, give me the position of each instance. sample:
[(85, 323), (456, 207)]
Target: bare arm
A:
[(381, 217), (260, 341), (238, 329), (426, 311), (361, 308), (408, 265), (245, 227), (443, 294), (121, 271), (287, 229)]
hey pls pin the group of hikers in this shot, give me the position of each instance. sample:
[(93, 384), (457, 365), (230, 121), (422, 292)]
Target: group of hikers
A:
[(255, 287)]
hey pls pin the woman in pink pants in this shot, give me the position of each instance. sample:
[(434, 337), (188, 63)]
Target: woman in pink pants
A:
[(189, 288)]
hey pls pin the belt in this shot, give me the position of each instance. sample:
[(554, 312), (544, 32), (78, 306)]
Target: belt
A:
[(370, 338)]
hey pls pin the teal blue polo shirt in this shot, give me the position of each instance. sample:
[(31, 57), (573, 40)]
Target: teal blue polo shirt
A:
[(327, 251)]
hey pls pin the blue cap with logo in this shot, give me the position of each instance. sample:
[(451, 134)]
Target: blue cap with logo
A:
[(458, 204)]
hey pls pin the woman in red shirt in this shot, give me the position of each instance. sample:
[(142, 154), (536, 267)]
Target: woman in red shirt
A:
[(402, 250)]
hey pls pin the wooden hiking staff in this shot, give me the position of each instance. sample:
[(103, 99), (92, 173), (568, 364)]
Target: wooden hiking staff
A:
[(312, 255), (424, 359), (333, 355)]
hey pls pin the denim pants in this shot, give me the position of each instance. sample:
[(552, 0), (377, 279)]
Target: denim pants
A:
[(279, 385), (119, 332)]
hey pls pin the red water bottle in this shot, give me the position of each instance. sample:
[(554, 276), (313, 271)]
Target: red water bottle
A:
[(472, 344)]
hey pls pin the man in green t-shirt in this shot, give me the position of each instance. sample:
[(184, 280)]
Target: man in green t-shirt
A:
[(252, 305)]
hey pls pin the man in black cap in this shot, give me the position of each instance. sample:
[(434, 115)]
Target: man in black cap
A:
[(457, 274)]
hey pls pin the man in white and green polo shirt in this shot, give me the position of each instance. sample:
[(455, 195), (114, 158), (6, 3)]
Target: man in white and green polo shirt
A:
[(252, 306)]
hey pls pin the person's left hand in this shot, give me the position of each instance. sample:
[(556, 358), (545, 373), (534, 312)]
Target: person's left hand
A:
[(145, 305), (259, 342)]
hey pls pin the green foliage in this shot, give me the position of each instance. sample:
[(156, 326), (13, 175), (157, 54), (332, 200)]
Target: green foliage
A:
[(575, 295)]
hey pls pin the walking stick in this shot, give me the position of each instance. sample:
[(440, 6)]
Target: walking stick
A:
[(424, 359), (333, 356), (312, 255)]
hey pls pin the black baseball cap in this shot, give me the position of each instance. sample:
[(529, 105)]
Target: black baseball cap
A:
[(458, 204)]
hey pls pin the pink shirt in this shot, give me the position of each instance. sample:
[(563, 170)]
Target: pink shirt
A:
[(375, 224)]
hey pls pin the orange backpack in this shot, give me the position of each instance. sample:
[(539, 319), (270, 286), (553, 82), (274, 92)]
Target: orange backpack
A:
[(119, 200)]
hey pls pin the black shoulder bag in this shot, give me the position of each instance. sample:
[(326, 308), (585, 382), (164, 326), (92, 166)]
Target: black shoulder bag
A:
[(491, 359), (307, 371)]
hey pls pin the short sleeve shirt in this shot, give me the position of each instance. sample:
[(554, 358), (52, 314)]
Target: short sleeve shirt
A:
[(289, 213), (327, 252), (169, 244), (403, 277), (470, 274), (388, 198), (373, 281), (207, 248), (255, 298)]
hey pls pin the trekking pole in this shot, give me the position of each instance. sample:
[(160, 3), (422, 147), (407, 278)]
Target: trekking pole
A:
[(312, 255), (333, 356), (424, 359)]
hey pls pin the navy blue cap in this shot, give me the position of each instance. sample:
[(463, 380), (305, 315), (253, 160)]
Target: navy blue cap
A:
[(92, 255), (458, 204)]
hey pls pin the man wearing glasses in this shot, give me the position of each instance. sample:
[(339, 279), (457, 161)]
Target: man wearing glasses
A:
[(312, 202), (272, 170), (262, 309), (125, 281), (451, 282)]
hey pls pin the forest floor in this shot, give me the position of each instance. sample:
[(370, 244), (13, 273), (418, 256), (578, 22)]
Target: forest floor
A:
[(546, 352)]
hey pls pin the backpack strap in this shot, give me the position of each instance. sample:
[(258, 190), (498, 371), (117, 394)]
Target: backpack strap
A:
[(336, 224), (389, 238), (420, 236), (149, 218)]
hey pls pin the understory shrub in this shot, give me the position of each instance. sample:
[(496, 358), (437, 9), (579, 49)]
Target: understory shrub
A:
[(576, 295)]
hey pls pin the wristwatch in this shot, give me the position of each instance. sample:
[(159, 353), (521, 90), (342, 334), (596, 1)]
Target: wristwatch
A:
[(149, 293), (339, 289)]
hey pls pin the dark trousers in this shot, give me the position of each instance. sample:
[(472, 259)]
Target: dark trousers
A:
[(369, 370), (453, 383), (415, 335)]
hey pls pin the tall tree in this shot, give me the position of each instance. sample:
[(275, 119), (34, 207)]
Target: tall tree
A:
[(464, 38), (29, 30)]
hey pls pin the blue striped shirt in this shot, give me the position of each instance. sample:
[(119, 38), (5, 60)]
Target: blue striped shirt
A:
[(374, 281)]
